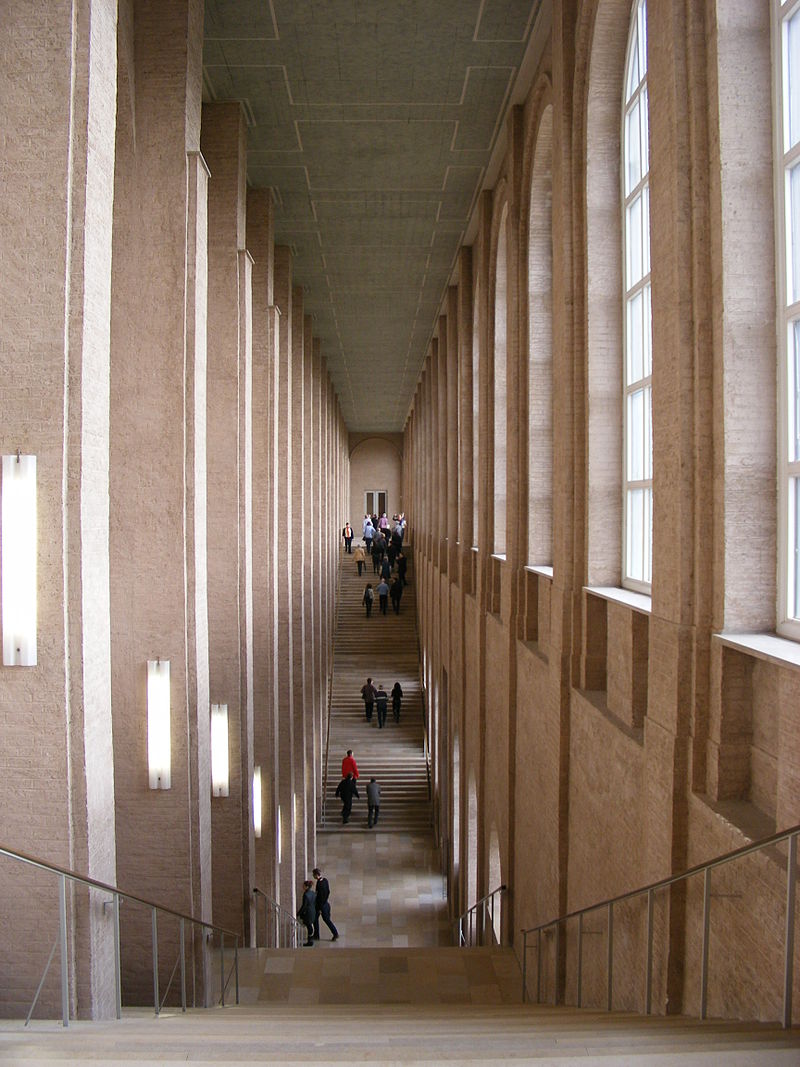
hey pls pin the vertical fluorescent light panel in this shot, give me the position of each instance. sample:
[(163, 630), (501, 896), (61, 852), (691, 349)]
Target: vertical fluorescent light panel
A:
[(220, 778), (18, 561), (257, 801), (158, 724)]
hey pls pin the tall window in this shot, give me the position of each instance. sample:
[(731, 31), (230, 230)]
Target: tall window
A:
[(638, 459), (788, 221)]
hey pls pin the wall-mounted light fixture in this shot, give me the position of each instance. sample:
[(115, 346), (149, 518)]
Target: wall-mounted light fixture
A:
[(158, 724), (257, 801), (220, 778), (18, 561)]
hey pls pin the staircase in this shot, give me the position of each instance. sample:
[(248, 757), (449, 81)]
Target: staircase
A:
[(386, 649)]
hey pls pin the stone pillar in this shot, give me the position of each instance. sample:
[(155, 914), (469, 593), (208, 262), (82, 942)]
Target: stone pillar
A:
[(158, 482), (260, 245), (58, 78), (452, 430), (223, 143), (285, 651), (311, 568), (466, 533)]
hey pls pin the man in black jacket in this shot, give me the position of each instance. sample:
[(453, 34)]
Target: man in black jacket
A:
[(307, 911), (346, 790), (323, 905)]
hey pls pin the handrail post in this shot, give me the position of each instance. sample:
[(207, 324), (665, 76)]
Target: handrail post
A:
[(788, 967), (183, 966), (117, 960), (610, 962), (539, 966), (524, 966), (222, 967), (580, 959), (62, 927), (491, 920), (156, 995), (648, 980), (706, 925), (236, 966), (557, 968)]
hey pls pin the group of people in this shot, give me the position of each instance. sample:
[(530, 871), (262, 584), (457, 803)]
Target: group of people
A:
[(386, 551), (379, 698), (347, 791), (315, 905)]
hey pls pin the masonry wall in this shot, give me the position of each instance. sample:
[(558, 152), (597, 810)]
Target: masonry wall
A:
[(174, 413), (613, 738)]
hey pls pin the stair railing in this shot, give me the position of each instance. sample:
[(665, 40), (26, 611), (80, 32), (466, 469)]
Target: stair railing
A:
[(282, 929), (555, 927), (118, 896), (472, 927)]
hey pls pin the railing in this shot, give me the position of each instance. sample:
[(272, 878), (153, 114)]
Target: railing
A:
[(118, 896), (471, 927), (789, 836), (282, 929)]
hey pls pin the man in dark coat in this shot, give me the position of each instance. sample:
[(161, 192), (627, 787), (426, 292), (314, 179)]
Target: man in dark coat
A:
[(382, 702), (346, 790), (323, 905), (368, 694), (396, 593), (307, 912), (402, 563)]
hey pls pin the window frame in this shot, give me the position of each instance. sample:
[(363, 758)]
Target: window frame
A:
[(639, 190), (787, 319)]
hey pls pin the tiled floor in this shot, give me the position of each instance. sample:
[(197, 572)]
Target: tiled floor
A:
[(386, 891)]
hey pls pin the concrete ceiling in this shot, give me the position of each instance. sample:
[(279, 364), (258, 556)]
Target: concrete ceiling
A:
[(373, 121)]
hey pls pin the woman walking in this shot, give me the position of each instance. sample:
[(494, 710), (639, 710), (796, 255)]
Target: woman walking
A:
[(397, 696), (369, 596)]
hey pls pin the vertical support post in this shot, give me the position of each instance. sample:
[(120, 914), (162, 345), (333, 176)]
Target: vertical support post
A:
[(788, 968), (706, 927), (557, 968), (117, 960), (539, 966), (491, 919), (524, 966), (156, 994), (610, 961), (236, 967), (483, 922), (62, 929), (648, 978), (183, 966), (222, 967), (580, 958)]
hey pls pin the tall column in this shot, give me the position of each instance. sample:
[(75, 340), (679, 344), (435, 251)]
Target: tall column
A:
[(224, 149), (451, 436), (58, 72), (466, 532), (260, 245), (158, 478), (284, 645), (296, 532), (310, 567)]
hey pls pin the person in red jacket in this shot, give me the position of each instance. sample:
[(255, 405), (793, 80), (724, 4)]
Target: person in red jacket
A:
[(349, 765)]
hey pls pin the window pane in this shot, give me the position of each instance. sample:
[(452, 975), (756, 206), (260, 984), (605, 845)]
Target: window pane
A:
[(793, 235), (793, 607), (633, 235), (647, 433), (647, 333), (646, 230), (642, 20), (633, 68), (635, 517), (635, 338), (794, 395), (636, 430), (792, 79), (647, 537), (633, 148), (645, 134)]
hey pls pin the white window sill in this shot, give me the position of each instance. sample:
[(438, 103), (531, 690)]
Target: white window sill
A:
[(499, 555), (770, 647), (636, 601), (543, 572)]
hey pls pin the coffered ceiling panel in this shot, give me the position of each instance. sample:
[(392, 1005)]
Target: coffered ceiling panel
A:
[(373, 123)]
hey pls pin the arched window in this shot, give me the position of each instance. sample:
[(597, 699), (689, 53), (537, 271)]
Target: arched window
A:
[(540, 348), (637, 369), (788, 301), (499, 387)]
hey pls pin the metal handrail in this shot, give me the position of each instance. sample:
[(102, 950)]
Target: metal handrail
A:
[(468, 929), (64, 874), (790, 835), (287, 930)]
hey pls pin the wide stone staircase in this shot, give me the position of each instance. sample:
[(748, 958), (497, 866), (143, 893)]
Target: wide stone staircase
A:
[(385, 648)]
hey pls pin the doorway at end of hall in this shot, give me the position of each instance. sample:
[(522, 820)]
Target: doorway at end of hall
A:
[(375, 502)]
